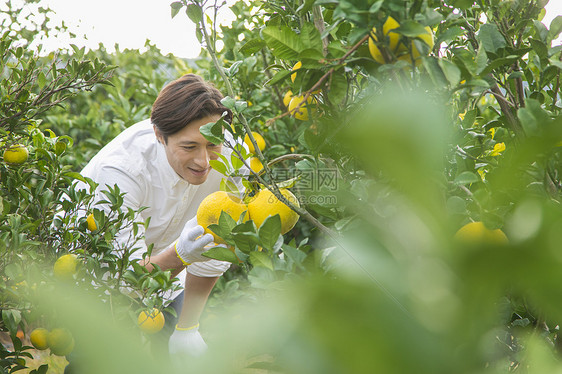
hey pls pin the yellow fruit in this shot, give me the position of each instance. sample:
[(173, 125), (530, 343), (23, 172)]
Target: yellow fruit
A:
[(91, 222), (60, 341), (394, 46), (256, 165), (475, 233), (209, 211), (393, 39), (260, 141), (297, 66), (65, 266), (151, 323), (287, 98), (302, 112), (16, 154), (266, 204), (38, 338), (404, 54)]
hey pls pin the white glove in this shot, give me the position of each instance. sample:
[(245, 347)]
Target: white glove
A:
[(192, 242), (187, 342)]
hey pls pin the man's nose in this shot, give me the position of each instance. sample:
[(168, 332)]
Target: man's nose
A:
[(202, 158)]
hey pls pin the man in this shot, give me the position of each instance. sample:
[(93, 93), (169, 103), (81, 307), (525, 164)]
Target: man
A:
[(163, 164)]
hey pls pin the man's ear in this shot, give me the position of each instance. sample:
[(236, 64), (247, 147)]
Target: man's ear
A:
[(158, 134)]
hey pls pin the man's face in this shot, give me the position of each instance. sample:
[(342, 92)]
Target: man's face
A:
[(188, 152)]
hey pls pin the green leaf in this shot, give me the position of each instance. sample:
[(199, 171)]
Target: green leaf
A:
[(278, 77), (294, 254), (411, 29), (463, 4), (252, 46), (466, 177), (41, 80), (456, 205), (555, 28), (245, 241), (175, 7), (491, 38), (221, 254), (269, 231), (226, 222), (481, 60), (539, 47), (283, 42), (499, 62), (431, 65), (451, 72), (194, 13), (310, 37), (532, 117), (212, 131), (261, 259), (556, 63), (218, 166)]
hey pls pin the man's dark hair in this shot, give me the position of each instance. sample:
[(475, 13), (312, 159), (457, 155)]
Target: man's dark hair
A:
[(185, 100)]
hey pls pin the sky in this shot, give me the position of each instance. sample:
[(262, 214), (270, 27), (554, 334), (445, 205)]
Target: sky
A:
[(131, 22)]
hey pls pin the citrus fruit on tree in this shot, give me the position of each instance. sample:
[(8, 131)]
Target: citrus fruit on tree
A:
[(393, 39), (38, 338), (287, 98), (393, 45), (297, 66), (65, 266), (91, 222), (209, 211), (302, 112), (404, 54), (16, 154), (266, 204), (60, 341), (256, 165), (151, 322), (475, 233), (260, 141)]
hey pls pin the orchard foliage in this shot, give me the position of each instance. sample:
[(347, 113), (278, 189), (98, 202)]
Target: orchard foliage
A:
[(389, 162)]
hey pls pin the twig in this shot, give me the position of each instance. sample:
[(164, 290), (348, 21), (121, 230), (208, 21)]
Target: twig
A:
[(320, 81)]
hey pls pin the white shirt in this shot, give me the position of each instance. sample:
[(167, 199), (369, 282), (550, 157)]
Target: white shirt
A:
[(137, 163)]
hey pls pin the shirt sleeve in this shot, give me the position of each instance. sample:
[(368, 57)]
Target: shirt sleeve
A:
[(107, 176)]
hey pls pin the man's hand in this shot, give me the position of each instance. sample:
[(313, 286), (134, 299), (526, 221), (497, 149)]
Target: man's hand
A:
[(187, 342), (192, 242)]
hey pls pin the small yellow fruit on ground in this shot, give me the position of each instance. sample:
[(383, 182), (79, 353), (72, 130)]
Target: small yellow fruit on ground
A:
[(60, 341), (260, 141), (256, 165), (91, 222), (209, 211), (475, 233), (287, 98), (297, 66), (65, 266), (266, 204), (16, 154), (302, 112), (151, 323), (38, 338)]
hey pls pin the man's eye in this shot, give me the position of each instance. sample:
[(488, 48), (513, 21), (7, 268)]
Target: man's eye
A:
[(189, 148)]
